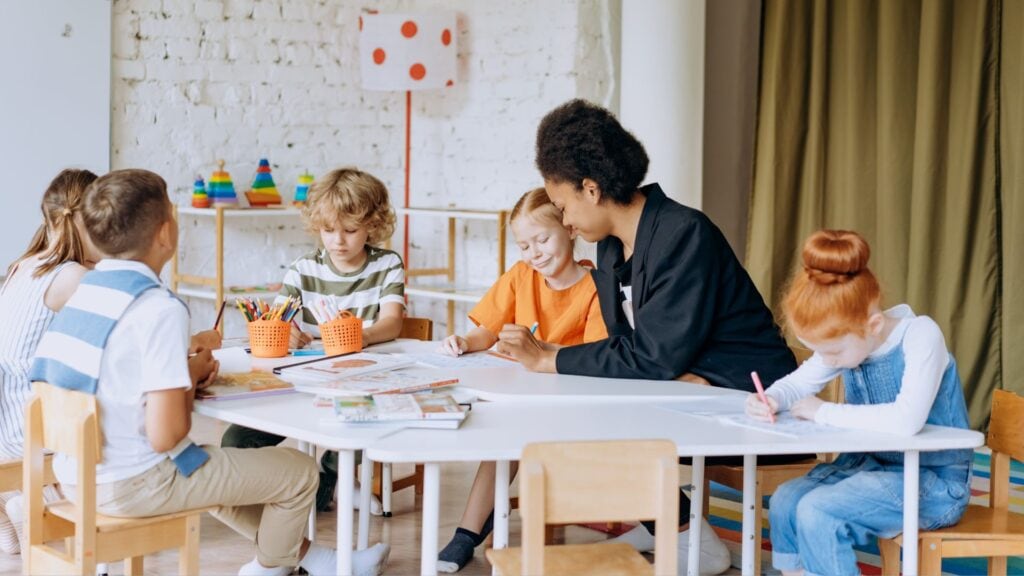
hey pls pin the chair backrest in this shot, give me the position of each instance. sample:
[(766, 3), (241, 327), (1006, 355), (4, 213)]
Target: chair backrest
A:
[(563, 482), (417, 328), (66, 422), (1006, 439)]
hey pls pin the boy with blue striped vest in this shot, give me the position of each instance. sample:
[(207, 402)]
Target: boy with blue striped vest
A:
[(123, 336)]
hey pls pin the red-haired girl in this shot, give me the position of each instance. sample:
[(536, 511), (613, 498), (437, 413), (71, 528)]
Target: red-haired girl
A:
[(898, 377)]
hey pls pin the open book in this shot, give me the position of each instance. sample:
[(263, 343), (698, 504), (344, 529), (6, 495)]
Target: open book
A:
[(341, 366), (244, 385), (389, 382), (399, 408)]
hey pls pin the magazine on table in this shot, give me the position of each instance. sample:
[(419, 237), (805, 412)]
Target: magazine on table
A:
[(388, 382), (240, 385), (341, 366)]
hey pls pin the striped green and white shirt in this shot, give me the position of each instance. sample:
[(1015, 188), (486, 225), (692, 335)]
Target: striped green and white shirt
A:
[(380, 280)]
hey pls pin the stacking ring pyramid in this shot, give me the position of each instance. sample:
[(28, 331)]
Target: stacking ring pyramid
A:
[(221, 190), (263, 192)]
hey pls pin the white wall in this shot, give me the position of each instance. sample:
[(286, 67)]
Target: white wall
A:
[(663, 90), (194, 81), (54, 104)]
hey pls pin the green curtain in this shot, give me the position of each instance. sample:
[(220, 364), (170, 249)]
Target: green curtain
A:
[(889, 118), (1011, 193)]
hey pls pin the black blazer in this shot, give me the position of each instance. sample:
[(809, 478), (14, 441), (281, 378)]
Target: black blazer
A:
[(694, 306)]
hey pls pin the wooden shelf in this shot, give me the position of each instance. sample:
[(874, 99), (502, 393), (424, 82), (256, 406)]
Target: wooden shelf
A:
[(457, 294), (493, 215), (241, 212), (450, 292), (212, 287)]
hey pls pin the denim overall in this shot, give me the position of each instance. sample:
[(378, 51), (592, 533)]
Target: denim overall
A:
[(817, 519)]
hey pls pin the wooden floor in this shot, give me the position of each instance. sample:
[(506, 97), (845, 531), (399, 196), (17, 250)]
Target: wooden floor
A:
[(223, 551)]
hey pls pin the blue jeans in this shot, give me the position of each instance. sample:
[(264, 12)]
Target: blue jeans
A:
[(817, 519)]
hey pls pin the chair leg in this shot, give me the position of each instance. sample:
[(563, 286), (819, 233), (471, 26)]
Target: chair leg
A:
[(930, 557), (378, 479), (188, 555), (997, 565), (419, 480), (386, 489), (889, 550), (133, 566), (707, 501)]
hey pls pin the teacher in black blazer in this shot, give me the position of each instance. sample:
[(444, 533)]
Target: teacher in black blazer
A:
[(676, 300)]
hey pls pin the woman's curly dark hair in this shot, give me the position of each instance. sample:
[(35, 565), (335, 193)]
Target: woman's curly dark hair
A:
[(581, 140)]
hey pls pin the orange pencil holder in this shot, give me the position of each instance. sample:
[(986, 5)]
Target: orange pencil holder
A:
[(269, 338), (342, 335)]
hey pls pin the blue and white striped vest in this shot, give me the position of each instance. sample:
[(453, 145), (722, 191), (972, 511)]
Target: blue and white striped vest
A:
[(71, 351)]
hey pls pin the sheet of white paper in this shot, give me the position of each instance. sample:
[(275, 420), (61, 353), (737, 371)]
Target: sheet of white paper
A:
[(233, 360), (785, 424), (472, 360)]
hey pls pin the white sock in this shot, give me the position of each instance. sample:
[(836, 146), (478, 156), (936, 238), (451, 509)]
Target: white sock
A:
[(254, 568), (375, 507), (638, 538), (321, 561)]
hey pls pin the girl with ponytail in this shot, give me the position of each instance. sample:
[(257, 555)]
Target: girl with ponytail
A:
[(37, 286), (898, 376)]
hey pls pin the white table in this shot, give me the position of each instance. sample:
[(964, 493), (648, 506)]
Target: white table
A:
[(499, 431), (295, 416)]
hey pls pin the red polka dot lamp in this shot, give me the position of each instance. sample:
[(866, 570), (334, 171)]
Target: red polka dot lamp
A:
[(407, 51)]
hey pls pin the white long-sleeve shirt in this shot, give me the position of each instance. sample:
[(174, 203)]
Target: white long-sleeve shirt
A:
[(925, 359)]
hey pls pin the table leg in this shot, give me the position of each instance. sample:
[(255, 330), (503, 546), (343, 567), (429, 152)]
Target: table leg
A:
[(911, 478), (501, 511), (749, 539), (696, 515), (310, 449), (346, 484), (431, 518), (365, 487)]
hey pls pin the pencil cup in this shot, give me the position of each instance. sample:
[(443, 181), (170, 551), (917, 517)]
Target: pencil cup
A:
[(343, 334), (269, 338)]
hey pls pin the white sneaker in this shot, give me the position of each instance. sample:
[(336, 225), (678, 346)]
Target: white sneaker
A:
[(639, 538), (714, 556), (254, 568)]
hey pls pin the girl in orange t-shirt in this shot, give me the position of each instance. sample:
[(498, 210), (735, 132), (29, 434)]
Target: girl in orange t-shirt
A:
[(546, 288)]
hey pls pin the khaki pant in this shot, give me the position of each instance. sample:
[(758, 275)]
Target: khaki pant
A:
[(265, 494)]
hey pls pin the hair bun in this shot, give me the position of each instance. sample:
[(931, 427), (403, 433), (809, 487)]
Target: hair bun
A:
[(835, 256)]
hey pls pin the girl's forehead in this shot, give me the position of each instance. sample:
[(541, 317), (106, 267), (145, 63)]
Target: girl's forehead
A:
[(526, 225)]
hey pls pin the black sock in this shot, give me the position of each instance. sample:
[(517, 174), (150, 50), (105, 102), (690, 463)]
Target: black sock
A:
[(460, 550), (488, 526)]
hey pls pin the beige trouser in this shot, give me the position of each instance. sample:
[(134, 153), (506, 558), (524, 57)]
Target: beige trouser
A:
[(265, 494)]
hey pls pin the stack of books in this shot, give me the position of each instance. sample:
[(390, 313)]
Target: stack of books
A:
[(367, 387)]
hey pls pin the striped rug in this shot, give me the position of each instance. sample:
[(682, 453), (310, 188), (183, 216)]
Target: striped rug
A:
[(726, 518)]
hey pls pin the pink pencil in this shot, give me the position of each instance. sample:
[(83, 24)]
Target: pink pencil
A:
[(760, 394)]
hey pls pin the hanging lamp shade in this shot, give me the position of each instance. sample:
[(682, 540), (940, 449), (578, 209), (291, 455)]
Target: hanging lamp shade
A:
[(407, 51)]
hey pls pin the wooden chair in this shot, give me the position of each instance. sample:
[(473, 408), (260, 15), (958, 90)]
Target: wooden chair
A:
[(564, 482), (383, 485), (769, 476), (417, 329), (991, 531), (66, 421)]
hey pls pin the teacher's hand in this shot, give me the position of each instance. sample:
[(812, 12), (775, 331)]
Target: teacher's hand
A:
[(517, 342)]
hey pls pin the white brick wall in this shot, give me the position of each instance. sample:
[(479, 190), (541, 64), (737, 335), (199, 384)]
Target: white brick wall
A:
[(198, 80)]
